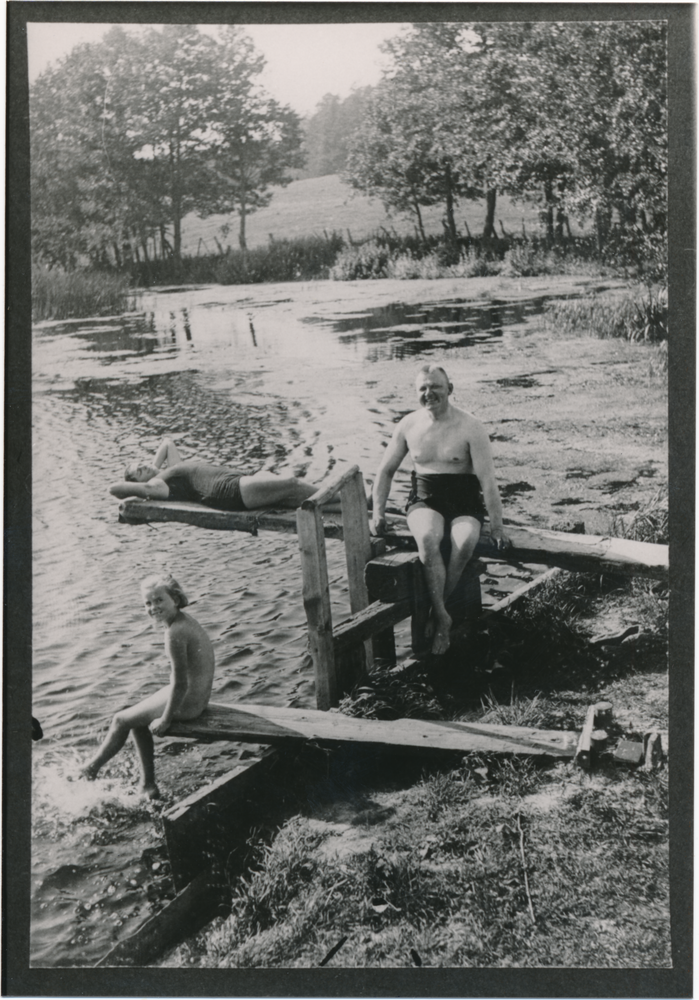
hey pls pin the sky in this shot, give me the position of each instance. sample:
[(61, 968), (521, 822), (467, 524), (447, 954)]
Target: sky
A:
[(304, 61)]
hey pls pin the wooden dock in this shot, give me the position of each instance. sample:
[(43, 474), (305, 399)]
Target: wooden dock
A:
[(385, 578), (208, 831)]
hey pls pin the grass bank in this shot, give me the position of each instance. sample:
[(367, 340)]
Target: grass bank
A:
[(484, 861)]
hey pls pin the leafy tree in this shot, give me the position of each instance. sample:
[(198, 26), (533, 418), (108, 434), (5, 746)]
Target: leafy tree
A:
[(84, 176), (328, 132), (131, 133), (253, 140), (410, 149), (578, 114)]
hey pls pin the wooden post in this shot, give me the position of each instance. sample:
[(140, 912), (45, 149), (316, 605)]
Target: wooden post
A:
[(316, 601), (355, 524)]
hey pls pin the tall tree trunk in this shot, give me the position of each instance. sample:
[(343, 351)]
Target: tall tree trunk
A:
[(176, 206), (451, 222), (490, 200), (418, 213), (164, 245), (242, 241), (548, 191)]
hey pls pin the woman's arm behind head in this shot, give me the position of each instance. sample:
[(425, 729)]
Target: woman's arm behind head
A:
[(154, 489)]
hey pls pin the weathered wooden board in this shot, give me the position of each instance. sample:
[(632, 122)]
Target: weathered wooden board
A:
[(183, 917), (269, 724), (218, 814), (579, 553), (152, 511), (377, 617)]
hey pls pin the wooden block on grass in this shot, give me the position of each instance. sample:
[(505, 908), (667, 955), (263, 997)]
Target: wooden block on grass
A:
[(629, 752)]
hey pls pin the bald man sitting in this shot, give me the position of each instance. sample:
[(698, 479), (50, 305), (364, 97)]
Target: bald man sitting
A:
[(453, 463)]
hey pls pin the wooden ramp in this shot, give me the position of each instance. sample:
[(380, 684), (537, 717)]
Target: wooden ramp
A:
[(270, 725)]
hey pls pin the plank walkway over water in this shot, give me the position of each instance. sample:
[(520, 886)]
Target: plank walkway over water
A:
[(271, 725), (579, 553)]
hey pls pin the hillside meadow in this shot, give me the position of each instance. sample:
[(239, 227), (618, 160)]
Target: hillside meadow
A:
[(318, 204)]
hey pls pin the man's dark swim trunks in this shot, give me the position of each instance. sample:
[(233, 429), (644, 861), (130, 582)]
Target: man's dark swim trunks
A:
[(209, 484), (450, 494)]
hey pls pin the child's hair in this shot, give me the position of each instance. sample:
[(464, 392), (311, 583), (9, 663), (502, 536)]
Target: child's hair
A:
[(173, 588)]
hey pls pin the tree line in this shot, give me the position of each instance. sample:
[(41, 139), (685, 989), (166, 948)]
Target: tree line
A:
[(573, 115), (130, 134)]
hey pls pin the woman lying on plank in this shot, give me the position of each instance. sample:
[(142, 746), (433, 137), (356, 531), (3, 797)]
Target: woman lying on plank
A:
[(171, 478)]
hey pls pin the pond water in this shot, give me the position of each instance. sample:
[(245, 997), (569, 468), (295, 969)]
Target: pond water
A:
[(296, 378)]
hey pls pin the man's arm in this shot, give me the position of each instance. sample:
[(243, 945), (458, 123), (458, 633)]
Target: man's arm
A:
[(484, 467), (395, 453), (176, 647), (154, 489)]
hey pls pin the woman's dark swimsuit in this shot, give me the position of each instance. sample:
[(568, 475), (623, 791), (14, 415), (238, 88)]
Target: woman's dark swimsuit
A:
[(452, 495), (209, 484)]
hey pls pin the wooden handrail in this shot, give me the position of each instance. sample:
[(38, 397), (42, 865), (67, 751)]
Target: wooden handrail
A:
[(328, 491)]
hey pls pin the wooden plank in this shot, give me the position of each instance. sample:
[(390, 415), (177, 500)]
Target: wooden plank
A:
[(316, 601), (389, 577), (355, 521), (508, 601), (333, 486), (578, 553), (598, 717), (218, 808), (159, 511), (273, 725), (185, 915), (378, 617)]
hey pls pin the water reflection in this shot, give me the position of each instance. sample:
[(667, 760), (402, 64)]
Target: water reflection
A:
[(251, 328)]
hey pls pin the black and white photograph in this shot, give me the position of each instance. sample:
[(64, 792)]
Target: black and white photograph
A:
[(353, 384)]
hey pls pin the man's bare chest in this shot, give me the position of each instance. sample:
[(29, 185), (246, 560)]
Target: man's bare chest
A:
[(435, 443)]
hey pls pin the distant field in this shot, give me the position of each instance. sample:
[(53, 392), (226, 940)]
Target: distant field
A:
[(308, 207)]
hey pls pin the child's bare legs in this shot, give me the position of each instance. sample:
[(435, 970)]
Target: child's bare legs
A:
[(133, 720)]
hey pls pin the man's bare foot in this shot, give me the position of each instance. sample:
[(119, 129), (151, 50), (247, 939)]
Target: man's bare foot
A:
[(149, 789), (89, 771), (440, 643)]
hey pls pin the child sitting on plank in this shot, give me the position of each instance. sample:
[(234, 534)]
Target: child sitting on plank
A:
[(185, 697)]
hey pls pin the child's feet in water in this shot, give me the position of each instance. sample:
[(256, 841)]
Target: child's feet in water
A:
[(149, 789), (89, 772)]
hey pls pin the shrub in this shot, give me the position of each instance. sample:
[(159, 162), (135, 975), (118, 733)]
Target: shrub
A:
[(58, 294), (302, 259), (368, 260), (634, 318)]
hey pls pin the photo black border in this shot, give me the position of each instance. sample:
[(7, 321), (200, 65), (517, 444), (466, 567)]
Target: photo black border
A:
[(17, 978)]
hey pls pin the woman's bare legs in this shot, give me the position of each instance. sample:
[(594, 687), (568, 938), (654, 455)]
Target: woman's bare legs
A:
[(265, 489)]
